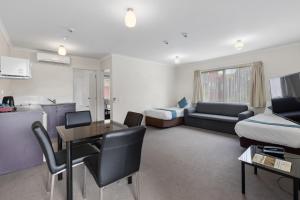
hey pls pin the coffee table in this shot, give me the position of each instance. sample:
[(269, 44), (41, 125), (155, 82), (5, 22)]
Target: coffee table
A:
[(294, 174)]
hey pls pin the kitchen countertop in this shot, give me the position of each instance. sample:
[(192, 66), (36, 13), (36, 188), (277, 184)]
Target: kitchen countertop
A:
[(29, 108), (34, 107)]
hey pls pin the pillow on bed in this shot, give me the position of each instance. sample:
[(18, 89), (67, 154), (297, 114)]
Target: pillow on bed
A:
[(183, 103)]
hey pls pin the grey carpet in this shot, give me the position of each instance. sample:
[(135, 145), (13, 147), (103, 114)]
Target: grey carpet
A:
[(177, 163)]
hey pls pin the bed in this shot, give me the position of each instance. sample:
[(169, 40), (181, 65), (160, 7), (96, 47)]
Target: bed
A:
[(164, 117), (269, 129)]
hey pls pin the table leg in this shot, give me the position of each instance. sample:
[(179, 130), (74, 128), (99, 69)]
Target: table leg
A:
[(243, 177), (255, 170), (59, 148), (69, 172), (296, 187)]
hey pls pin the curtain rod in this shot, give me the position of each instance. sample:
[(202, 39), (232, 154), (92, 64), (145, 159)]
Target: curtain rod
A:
[(229, 67)]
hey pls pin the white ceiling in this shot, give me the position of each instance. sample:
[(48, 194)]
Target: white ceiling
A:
[(213, 26)]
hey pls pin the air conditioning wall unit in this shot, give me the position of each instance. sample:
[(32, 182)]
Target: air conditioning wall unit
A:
[(53, 58), (15, 68)]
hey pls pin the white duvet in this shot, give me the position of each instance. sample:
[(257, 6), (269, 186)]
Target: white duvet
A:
[(270, 128), (164, 114)]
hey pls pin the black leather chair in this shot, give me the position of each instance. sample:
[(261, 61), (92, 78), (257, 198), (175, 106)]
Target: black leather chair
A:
[(77, 119), (56, 161), (133, 119), (119, 157)]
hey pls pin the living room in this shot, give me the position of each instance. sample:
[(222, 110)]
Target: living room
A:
[(201, 74)]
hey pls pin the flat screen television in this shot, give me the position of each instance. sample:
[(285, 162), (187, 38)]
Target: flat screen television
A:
[(285, 96)]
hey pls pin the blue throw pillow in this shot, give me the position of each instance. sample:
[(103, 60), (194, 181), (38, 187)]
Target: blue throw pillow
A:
[(183, 103)]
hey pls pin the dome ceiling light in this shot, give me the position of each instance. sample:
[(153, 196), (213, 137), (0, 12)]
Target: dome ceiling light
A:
[(62, 51), (130, 18)]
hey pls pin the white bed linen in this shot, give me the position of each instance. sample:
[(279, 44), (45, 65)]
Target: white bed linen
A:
[(164, 114), (281, 135)]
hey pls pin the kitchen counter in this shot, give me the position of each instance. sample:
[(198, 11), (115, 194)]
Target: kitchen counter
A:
[(29, 108), (19, 148), (56, 115)]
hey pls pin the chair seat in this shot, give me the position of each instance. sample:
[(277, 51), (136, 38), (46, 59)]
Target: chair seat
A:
[(79, 153), (215, 117)]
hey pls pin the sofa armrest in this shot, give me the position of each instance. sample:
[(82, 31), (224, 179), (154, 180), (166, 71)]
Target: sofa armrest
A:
[(246, 115), (187, 111)]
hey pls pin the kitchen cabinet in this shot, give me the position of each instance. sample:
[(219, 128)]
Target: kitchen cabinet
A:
[(19, 148), (56, 116)]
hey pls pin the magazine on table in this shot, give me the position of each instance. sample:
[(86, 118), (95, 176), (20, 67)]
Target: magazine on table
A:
[(269, 161)]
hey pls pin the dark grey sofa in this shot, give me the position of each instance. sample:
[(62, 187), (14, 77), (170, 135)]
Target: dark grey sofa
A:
[(216, 116)]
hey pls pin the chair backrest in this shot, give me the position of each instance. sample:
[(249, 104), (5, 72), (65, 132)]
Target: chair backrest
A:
[(77, 119), (133, 119), (45, 143), (120, 154)]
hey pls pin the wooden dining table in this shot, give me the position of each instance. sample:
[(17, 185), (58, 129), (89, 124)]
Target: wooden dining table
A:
[(83, 134)]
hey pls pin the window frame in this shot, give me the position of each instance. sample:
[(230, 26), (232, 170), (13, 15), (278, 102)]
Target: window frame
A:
[(223, 70)]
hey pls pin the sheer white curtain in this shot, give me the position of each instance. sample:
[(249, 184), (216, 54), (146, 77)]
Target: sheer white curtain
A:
[(227, 85), (213, 86), (197, 93)]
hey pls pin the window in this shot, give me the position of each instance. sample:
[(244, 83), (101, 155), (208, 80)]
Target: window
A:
[(227, 85)]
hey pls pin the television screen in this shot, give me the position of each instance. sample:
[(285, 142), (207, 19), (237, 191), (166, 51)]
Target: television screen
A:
[(285, 94)]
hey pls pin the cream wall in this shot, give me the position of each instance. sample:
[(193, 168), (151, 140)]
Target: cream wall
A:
[(4, 51), (139, 84), (277, 62), (48, 80)]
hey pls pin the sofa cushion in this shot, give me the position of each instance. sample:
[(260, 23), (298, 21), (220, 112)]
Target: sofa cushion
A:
[(215, 117), (226, 109)]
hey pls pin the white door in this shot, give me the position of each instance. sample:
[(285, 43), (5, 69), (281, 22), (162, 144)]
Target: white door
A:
[(85, 91)]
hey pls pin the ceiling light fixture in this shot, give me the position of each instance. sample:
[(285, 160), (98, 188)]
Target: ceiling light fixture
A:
[(62, 50), (239, 45), (177, 60), (130, 18)]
